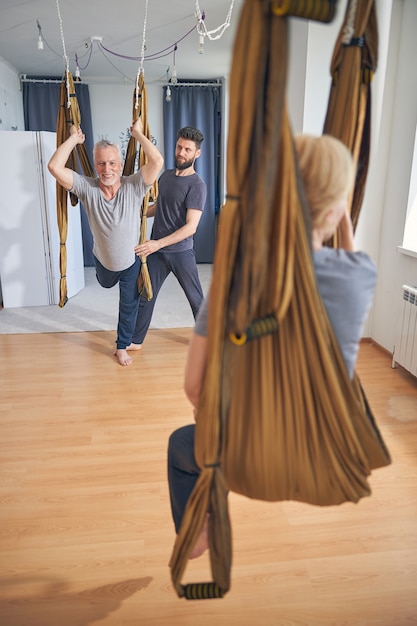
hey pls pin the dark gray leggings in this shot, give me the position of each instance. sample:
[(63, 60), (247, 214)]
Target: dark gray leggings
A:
[(160, 264)]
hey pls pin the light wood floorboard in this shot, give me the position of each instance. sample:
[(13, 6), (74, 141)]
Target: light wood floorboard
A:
[(86, 532)]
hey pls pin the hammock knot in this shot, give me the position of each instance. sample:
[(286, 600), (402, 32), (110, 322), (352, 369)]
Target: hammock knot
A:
[(355, 41)]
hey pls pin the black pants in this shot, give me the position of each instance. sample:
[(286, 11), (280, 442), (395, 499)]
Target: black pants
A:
[(160, 264)]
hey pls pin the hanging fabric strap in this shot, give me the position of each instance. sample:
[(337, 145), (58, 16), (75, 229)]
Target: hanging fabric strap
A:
[(140, 109), (348, 116), (68, 115)]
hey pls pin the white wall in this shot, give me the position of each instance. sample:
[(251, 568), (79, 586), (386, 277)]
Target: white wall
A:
[(321, 42), (11, 106), (112, 109), (385, 202), (394, 117)]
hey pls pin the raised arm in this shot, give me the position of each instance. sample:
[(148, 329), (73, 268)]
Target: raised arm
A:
[(151, 169), (58, 161)]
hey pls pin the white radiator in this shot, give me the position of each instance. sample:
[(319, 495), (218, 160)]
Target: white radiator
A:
[(405, 351)]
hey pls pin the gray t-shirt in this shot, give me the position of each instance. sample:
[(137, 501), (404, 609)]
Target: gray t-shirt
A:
[(346, 283), (177, 194), (114, 223)]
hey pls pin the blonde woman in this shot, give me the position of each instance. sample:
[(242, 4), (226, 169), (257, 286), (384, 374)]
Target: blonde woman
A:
[(346, 282)]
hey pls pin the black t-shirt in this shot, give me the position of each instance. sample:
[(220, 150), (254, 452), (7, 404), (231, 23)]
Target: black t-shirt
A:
[(176, 195)]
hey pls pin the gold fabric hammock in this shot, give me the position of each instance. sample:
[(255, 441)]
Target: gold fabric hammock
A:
[(279, 418), (67, 116), (140, 109), (353, 65)]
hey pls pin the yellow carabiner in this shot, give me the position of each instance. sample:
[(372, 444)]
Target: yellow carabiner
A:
[(280, 8), (238, 340)]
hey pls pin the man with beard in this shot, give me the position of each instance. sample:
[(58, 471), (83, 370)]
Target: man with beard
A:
[(177, 213)]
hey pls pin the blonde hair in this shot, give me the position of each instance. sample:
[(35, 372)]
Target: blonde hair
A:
[(327, 171)]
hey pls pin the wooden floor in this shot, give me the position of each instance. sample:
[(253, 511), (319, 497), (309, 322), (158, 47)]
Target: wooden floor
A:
[(86, 532)]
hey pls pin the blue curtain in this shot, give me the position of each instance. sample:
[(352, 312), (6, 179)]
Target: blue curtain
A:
[(40, 109), (199, 106)]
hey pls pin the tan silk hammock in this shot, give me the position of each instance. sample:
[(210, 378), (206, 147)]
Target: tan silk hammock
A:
[(140, 109), (353, 65), (68, 115), (279, 418)]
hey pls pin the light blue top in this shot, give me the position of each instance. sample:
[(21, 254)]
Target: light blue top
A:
[(346, 283)]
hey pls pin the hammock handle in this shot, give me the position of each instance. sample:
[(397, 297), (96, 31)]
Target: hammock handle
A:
[(202, 591)]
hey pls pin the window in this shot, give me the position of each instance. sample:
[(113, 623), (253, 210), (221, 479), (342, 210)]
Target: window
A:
[(410, 229)]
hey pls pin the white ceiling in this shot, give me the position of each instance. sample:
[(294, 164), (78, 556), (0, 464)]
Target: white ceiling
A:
[(120, 24)]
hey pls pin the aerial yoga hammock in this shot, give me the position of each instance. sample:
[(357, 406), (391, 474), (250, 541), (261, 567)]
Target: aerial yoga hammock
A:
[(353, 65), (279, 418), (68, 115)]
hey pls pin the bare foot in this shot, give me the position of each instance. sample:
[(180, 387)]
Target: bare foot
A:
[(123, 357), (201, 545), (134, 346)]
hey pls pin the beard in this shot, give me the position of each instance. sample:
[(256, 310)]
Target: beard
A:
[(109, 182), (183, 165)]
